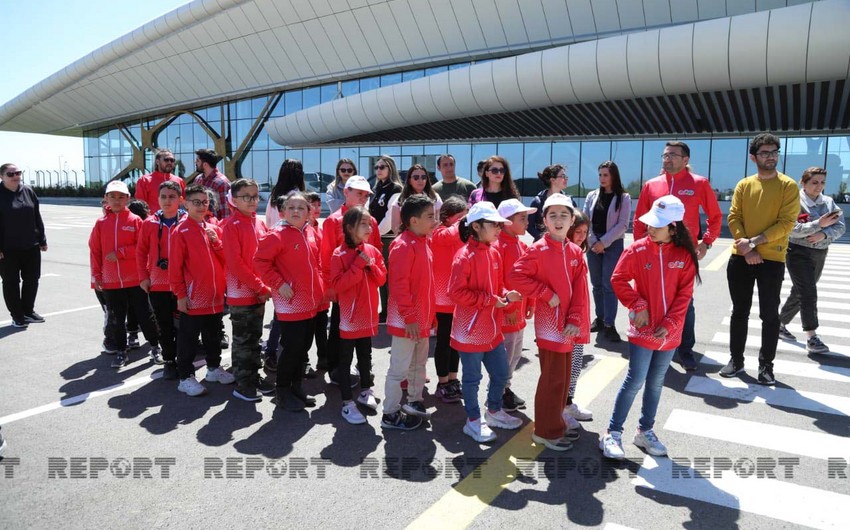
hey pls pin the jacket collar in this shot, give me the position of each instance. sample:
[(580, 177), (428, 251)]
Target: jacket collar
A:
[(805, 199)]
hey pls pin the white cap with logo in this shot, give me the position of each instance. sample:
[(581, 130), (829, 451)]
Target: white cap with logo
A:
[(484, 211), (665, 210), (117, 185), (511, 207), (357, 182), (559, 199)]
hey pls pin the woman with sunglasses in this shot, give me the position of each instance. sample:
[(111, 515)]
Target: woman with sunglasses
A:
[(22, 240), (336, 198), (418, 181), (496, 183), (387, 189), (290, 177)]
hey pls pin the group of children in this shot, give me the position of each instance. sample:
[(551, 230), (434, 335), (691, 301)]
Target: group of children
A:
[(467, 274)]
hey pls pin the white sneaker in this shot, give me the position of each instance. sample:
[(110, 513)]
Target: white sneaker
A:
[(352, 414), (612, 445), (479, 431), (367, 399), (191, 387), (578, 413), (220, 375), (572, 423), (502, 420), (649, 441)]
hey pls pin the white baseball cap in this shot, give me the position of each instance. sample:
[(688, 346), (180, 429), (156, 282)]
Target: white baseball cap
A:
[(484, 211), (665, 210), (358, 182), (513, 206), (117, 185), (559, 199)]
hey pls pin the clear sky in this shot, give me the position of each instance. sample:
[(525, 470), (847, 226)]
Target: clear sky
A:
[(42, 37)]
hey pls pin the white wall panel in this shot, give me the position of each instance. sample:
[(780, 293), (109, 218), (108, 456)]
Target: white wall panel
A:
[(483, 89), (581, 17), (441, 94), (557, 80), (740, 7), (467, 19), (461, 86), (491, 24), (386, 102), (371, 31), (675, 56), (605, 16), (684, 11), (420, 89), (711, 8), (711, 55), (405, 103), (529, 73), (644, 70), (443, 35), (511, 20), (630, 14), (534, 20), (506, 85), (613, 68), (829, 47), (657, 12), (557, 18), (354, 38), (414, 40), (748, 56), (786, 44), (585, 80), (385, 26)]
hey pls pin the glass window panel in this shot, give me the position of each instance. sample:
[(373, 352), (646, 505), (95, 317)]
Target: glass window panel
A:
[(311, 160), (262, 171), (592, 154), (728, 165), (243, 109), (293, 101), (214, 116), (279, 109), (262, 141), (328, 92), (330, 157), (838, 168), (628, 155), (412, 149), (567, 154), (276, 159), (458, 65), (349, 88), (186, 138), (245, 167), (802, 153), (257, 105), (297, 154), (311, 97), (412, 74), (240, 131), (463, 161), (538, 155), (480, 152), (436, 70), (700, 156), (652, 151), (513, 153), (390, 79), (369, 83), (351, 153)]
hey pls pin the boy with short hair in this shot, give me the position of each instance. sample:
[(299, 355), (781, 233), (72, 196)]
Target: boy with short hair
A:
[(112, 247), (411, 313), (152, 264), (196, 276)]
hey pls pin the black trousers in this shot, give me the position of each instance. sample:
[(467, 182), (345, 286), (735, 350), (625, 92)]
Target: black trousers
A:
[(805, 266), (446, 358), (347, 347), (209, 326), (295, 339), (320, 325), (333, 339), (165, 310), (742, 278), (117, 302), (20, 271)]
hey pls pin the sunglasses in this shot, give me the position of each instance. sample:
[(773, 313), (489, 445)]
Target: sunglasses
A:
[(418, 177), (17, 173), (346, 170), (497, 170), (169, 159), (380, 167)]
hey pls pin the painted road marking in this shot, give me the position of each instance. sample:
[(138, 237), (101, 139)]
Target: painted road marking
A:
[(799, 369), (773, 396), (754, 342), (55, 313), (825, 331), (720, 261), (459, 507)]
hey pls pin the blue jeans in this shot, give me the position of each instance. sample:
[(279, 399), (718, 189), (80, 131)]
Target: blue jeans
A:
[(601, 267), (496, 362), (689, 338), (648, 366)]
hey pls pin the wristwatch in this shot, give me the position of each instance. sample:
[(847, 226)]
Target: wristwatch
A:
[(752, 245)]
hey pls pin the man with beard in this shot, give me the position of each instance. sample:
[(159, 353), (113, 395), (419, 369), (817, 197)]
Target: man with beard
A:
[(210, 178), (147, 187), (763, 212)]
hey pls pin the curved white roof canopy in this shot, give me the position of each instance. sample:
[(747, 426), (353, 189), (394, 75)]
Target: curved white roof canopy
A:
[(807, 43), (259, 46)]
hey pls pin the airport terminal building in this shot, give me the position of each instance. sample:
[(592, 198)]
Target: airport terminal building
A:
[(575, 82)]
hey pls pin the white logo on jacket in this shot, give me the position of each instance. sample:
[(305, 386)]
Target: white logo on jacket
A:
[(689, 193), (676, 265), (128, 228), (573, 263)]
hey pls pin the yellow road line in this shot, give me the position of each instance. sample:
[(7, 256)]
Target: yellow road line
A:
[(720, 261), (458, 508)]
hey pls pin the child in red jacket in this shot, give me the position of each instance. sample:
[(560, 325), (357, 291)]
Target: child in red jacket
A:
[(357, 271), (510, 247), (287, 260), (553, 272), (445, 242), (476, 286), (246, 293), (410, 314), (112, 253), (663, 267), (152, 264), (196, 276), (320, 321)]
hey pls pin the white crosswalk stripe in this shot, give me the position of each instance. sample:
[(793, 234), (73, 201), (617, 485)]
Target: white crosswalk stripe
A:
[(739, 390), (754, 342), (807, 369), (823, 331)]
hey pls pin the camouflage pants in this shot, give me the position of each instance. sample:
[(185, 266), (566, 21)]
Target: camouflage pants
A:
[(247, 330)]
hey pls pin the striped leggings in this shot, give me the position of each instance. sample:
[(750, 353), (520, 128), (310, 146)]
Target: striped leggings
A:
[(578, 353)]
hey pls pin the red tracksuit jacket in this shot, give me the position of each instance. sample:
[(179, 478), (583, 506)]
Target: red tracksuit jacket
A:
[(196, 267), (445, 242), (241, 237), (117, 233), (356, 286), (663, 283), (475, 285), (411, 297), (317, 235), (287, 255), (154, 243), (332, 237), (511, 248), (552, 267)]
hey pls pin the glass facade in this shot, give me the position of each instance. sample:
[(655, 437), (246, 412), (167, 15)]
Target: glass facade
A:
[(724, 160)]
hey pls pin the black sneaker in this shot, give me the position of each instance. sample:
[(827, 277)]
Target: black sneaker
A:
[(686, 359), (33, 318), (520, 403), (225, 341), (169, 371), (509, 403), (815, 345), (612, 335), (156, 355), (119, 360), (270, 364), (133, 341), (309, 373), (400, 420), (299, 393), (264, 386), (286, 400), (784, 334), (731, 369), (416, 408), (20, 324), (597, 325), (766, 376), (246, 393)]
